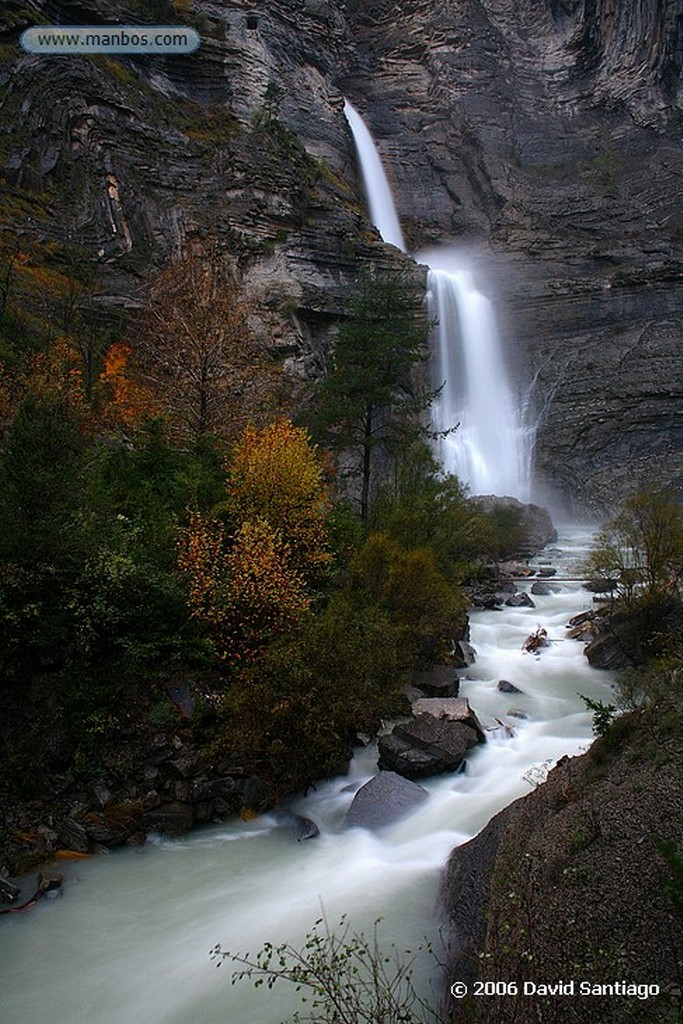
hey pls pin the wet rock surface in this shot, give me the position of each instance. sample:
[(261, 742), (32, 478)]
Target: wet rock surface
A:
[(426, 746), (384, 799)]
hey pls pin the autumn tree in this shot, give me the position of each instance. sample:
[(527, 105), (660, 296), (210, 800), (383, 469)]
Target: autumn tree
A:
[(195, 349), (275, 474), (371, 402), (131, 400), (250, 580)]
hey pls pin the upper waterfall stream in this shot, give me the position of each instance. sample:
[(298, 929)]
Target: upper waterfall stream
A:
[(128, 940)]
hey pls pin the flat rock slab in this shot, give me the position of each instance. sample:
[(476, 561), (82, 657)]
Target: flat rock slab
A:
[(383, 800), (453, 709)]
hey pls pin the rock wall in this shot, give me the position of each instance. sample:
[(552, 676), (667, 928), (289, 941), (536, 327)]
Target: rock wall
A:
[(541, 136), (568, 883), (544, 137)]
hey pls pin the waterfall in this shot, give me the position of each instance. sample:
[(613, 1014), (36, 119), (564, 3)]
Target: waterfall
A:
[(377, 189), (491, 448)]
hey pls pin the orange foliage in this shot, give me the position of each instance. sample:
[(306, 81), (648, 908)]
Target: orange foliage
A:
[(201, 558), (56, 371), (250, 589), (248, 595), (266, 595), (132, 401), (275, 474)]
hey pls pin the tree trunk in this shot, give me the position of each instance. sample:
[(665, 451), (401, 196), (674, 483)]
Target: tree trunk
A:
[(367, 452)]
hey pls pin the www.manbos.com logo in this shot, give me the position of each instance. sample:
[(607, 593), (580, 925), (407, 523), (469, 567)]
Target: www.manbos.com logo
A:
[(109, 39)]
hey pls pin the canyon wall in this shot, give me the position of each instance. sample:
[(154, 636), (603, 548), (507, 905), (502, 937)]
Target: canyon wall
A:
[(544, 138)]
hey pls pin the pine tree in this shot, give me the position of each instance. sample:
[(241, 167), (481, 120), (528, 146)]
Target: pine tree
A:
[(371, 401)]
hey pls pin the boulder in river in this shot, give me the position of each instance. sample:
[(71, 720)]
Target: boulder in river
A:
[(506, 687), (541, 589), (171, 819), (438, 681), (520, 601), (301, 827), (383, 800), (464, 654), (607, 650), (426, 746), (453, 709)]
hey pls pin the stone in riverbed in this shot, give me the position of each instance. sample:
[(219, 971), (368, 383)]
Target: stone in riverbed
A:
[(301, 827), (73, 836), (172, 818), (439, 681), (383, 800), (426, 746), (506, 687), (520, 601), (544, 589), (464, 654), (453, 709)]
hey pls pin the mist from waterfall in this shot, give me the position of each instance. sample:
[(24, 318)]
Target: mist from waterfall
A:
[(491, 449)]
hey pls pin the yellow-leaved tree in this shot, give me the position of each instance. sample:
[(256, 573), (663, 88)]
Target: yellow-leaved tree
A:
[(275, 474), (250, 580)]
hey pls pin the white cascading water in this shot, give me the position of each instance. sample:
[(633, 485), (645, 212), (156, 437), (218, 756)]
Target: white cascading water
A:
[(128, 940), (377, 189), (490, 450)]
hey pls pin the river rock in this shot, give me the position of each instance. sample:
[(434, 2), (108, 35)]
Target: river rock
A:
[(544, 589), (302, 828), (387, 797), (505, 687), (520, 601), (439, 681), (172, 819), (607, 651), (73, 836), (453, 709), (464, 654), (426, 746)]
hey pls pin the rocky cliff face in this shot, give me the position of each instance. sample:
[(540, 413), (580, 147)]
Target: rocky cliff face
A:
[(571, 882), (544, 137)]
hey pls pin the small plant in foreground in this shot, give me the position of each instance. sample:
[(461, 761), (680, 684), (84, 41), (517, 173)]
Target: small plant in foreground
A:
[(603, 714), (347, 977)]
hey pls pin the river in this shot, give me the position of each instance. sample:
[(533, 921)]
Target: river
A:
[(128, 940)]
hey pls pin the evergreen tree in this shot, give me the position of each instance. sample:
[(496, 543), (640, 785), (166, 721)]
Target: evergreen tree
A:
[(372, 400)]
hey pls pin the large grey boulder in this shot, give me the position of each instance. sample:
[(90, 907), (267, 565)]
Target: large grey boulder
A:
[(607, 650), (520, 601), (438, 681), (383, 800), (426, 746), (453, 709)]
